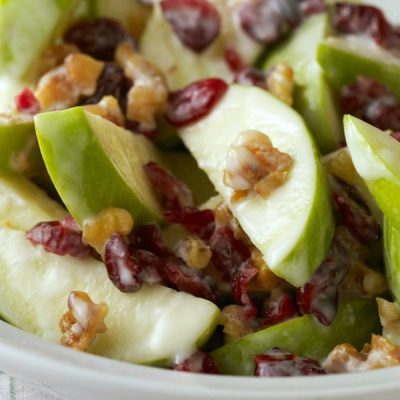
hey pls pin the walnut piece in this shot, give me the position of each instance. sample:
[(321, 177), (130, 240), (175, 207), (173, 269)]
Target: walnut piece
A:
[(389, 314), (108, 108), (194, 251), (280, 83), (82, 322), (97, 230), (381, 353), (254, 164), (149, 93)]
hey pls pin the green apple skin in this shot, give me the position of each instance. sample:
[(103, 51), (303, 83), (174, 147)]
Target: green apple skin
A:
[(313, 98), (391, 241), (26, 28), (95, 164), (345, 58), (19, 151), (303, 336), (376, 157), (297, 241)]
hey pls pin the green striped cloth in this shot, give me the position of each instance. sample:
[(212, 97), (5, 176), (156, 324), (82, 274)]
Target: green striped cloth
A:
[(13, 389)]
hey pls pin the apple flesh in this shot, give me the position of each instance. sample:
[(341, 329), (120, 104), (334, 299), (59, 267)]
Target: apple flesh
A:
[(376, 157), (293, 227), (303, 336), (95, 164), (313, 98)]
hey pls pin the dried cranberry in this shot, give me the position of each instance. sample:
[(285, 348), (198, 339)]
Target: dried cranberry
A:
[(199, 222), (59, 237), (199, 361), (173, 193), (195, 22), (279, 307), (233, 59), (149, 266), (195, 101), (311, 7), (112, 82), (277, 362), (372, 102), (122, 269), (98, 38), (266, 21), (228, 253), (396, 135), (27, 103), (240, 282), (354, 213), (319, 296), (369, 20), (149, 237), (251, 76)]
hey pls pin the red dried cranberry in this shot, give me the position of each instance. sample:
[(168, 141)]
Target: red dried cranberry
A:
[(195, 22), (27, 103), (251, 76), (59, 237), (98, 38), (228, 253), (149, 237), (396, 135), (195, 101), (199, 361), (311, 7), (122, 269), (372, 102), (199, 222), (319, 296), (240, 282), (233, 59), (112, 82), (173, 193), (266, 21), (279, 307), (149, 266), (277, 362), (139, 127), (354, 213)]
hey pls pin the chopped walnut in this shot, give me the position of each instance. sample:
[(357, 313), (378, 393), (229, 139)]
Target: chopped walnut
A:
[(108, 108), (379, 354), (194, 252), (280, 83), (362, 281), (97, 230), (254, 164), (237, 321), (149, 93), (82, 322), (389, 314), (61, 87)]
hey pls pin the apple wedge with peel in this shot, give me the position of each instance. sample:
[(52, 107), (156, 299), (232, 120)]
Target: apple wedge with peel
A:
[(345, 58), (293, 227), (391, 244), (153, 325), (303, 336), (313, 98), (376, 157), (94, 164)]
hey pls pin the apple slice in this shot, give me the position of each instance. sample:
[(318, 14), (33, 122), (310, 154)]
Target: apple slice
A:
[(345, 58), (293, 228), (376, 157), (303, 336), (391, 240), (95, 164), (313, 98), (180, 64), (26, 29)]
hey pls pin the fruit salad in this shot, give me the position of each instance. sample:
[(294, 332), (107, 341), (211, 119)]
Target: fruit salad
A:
[(208, 186)]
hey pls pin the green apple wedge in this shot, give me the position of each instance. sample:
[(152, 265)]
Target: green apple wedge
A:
[(391, 242), (376, 157), (293, 228), (152, 325), (303, 336), (95, 164), (344, 58), (26, 28), (313, 98), (180, 64), (19, 151)]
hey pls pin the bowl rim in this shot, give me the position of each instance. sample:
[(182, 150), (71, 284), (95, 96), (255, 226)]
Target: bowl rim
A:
[(37, 360)]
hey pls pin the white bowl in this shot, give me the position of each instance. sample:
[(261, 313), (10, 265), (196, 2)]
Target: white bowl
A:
[(84, 376)]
